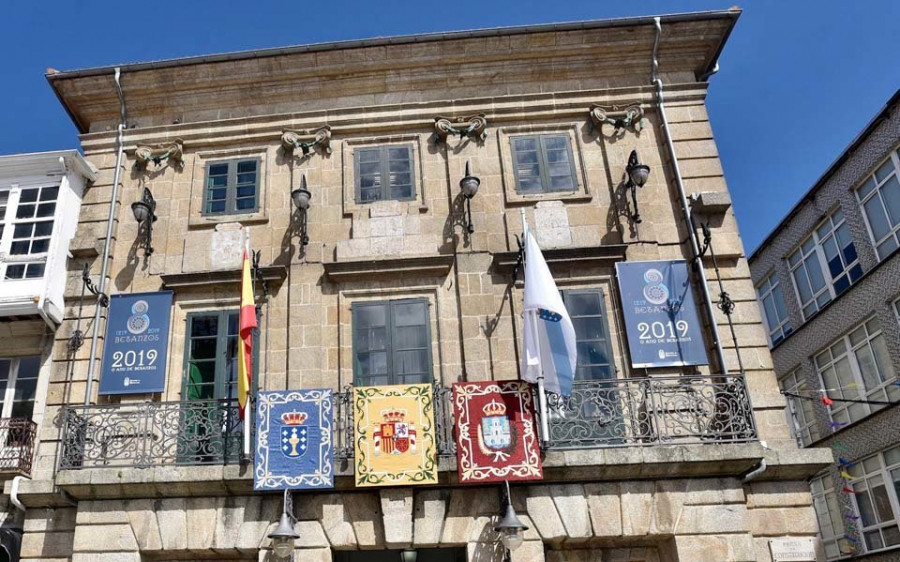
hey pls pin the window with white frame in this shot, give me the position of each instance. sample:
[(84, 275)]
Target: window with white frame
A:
[(801, 412), (18, 381), (774, 312), (876, 480), (830, 517), (26, 230), (879, 197), (857, 367), (825, 264)]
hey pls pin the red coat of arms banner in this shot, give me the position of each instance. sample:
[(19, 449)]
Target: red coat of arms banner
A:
[(495, 432)]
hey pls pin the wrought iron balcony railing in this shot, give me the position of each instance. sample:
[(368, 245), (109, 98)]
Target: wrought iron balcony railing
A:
[(17, 445), (152, 434), (622, 412), (443, 423), (652, 411)]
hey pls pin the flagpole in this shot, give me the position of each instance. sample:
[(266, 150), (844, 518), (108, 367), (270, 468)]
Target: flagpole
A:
[(248, 422), (531, 316)]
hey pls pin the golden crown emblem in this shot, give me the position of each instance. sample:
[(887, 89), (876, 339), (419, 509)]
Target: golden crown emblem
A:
[(294, 418), (393, 415), (494, 408)]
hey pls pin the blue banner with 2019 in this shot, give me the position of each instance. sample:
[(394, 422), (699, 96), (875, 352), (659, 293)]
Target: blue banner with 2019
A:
[(660, 315), (137, 343)]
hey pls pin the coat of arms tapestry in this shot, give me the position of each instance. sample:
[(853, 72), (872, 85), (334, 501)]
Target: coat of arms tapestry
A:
[(294, 440), (495, 432), (395, 437)]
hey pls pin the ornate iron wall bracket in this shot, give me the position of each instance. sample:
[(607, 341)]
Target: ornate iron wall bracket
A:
[(102, 298), (620, 117), (307, 140), (474, 126), (167, 152)]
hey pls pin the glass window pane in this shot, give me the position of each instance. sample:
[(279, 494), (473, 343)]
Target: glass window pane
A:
[(866, 511), (814, 271), (878, 221), (204, 326), (866, 188), (884, 170), (886, 247), (802, 284), (882, 502), (890, 191), (369, 316), (247, 166)]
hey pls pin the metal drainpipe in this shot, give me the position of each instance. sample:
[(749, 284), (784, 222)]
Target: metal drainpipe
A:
[(120, 141), (685, 209)]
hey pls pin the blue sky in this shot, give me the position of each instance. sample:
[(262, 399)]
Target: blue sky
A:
[(798, 79)]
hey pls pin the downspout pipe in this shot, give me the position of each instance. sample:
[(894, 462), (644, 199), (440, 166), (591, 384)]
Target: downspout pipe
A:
[(697, 260), (14, 493), (120, 148)]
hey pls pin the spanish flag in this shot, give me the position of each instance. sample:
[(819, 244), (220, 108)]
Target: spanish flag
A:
[(247, 325)]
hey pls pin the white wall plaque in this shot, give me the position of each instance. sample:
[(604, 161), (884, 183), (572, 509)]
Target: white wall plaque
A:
[(793, 550)]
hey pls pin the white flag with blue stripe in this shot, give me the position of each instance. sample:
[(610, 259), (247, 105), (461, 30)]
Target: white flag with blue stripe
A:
[(549, 343)]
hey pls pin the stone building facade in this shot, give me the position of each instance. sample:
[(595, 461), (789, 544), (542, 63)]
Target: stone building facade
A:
[(232, 136), (863, 435)]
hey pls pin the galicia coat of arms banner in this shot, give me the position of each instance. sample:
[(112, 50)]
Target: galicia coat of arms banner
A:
[(294, 440), (395, 436), (495, 434)]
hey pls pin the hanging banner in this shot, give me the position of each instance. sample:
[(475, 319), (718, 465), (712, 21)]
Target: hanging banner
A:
[(495, 435), (294, 440), (660, 314), (137, 343), (395, 436)]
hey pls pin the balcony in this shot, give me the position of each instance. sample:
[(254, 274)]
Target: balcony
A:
[(17, 445), (598, 414), (651, 411), (149, 434)]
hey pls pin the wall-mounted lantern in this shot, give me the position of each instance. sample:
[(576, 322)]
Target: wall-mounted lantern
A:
[(510, 528), (469, 187), (637, 176), (145, 215), (301, 198), (284, 537)]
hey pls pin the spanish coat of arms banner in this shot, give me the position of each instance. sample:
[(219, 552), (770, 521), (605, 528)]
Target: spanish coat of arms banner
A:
[(294, 447), (495, 434), (395, 437)]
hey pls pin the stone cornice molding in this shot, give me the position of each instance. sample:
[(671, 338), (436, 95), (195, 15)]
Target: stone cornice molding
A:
[(446, 66), (397, 117)]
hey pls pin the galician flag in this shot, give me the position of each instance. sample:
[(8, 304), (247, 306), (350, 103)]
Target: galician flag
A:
[(245, 333), (549, 341)]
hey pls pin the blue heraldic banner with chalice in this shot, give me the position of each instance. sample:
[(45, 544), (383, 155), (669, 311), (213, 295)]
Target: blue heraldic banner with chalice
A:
[(294, 448)]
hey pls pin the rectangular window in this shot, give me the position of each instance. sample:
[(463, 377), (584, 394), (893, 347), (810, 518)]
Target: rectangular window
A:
[(774, 312), (879, 197), (857, 367), (876, 480), (588, 312), (18, 382), (801, 413), (26, 230), (825, 264), (391, 342), (543, 164), (212, 351), (232, 187), (830, 518), (384, 173)]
